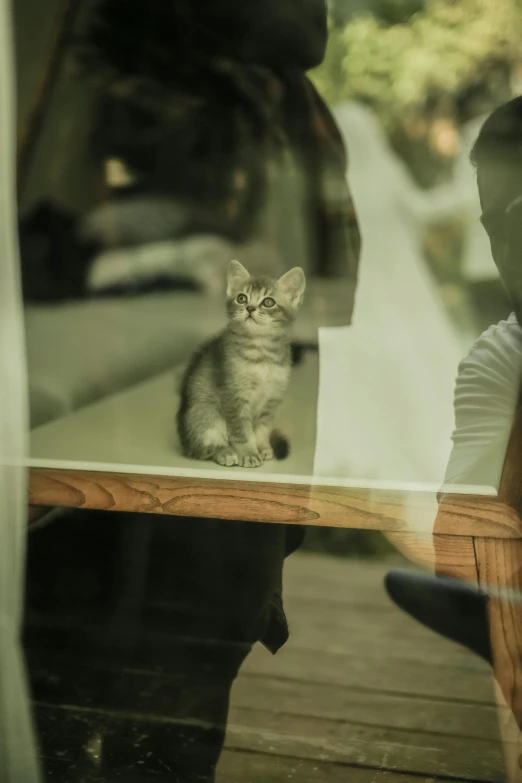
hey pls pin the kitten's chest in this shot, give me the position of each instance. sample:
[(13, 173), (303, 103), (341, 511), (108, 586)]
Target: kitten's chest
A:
[(263, 381)]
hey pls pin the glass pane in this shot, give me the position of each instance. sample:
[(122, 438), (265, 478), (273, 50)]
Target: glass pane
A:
[(267, 336)]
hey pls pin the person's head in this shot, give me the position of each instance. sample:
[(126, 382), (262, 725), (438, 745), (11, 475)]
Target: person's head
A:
[(474, 101), (497, 157)]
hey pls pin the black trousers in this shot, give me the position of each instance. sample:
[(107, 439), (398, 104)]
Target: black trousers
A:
[(164, 610)]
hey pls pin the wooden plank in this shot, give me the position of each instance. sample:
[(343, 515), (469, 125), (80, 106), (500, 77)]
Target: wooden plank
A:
[(336, 604), (364, 620), (306, 568), (242, 767), (353, 705), (354, 629), (342, 637), (338, 595), (370, 621), (341, 606), (376, 671), (253, 501), (339, 581), (297, 737), (66, 732), (56, 682), (447, 555), (317, 624), (350, 644), (500, 569), (390, 749)]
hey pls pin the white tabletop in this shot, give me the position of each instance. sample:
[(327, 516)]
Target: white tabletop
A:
[(134, 432)]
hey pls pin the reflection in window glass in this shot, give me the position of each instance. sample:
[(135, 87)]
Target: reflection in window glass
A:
[(272, 364)]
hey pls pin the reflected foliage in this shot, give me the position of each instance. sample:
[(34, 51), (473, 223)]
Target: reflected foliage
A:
[(440, 48)]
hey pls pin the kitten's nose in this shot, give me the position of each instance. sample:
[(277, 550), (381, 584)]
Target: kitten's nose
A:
[(251, 308)]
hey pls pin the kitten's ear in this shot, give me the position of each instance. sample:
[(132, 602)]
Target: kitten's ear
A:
[(237, 278), (292, 284)]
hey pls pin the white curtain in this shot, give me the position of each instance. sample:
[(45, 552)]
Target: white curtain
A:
[(18, 761)]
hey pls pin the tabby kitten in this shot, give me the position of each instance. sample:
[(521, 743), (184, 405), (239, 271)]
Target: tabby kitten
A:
[(234, 384)]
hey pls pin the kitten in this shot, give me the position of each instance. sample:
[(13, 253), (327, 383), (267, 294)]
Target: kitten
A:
[(234, 384)]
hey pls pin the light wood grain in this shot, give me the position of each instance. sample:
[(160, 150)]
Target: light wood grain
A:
[(369, 708), (367, 509), (446, 554), (500, 569), (499, 566), (239, 766), (376, 672), (156, 694), (345, 743)]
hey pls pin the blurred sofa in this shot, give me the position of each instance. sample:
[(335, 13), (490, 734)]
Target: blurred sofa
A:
[(82, 351)]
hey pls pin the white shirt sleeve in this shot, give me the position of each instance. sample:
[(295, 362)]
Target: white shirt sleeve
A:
[(486, 395)]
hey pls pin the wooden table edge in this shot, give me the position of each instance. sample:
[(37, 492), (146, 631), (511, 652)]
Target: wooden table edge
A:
[(253, 501)]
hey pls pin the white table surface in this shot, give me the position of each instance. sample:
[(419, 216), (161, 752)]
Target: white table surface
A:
[(134, 432)]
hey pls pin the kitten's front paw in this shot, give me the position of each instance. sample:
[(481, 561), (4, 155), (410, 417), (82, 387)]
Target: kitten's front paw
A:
[(252, 460), (267, 453), (227, 457)]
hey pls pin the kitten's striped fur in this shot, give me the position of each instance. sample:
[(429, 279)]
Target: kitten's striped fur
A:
[(234, 384)]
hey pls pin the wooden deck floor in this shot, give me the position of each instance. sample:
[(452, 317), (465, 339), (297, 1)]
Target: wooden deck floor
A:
[(360, 692)]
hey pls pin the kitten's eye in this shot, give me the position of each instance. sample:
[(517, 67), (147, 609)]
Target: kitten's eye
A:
[(268, 302), (242, 298)]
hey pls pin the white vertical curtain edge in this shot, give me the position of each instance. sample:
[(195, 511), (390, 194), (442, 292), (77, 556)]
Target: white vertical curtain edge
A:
[(18, 757)]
